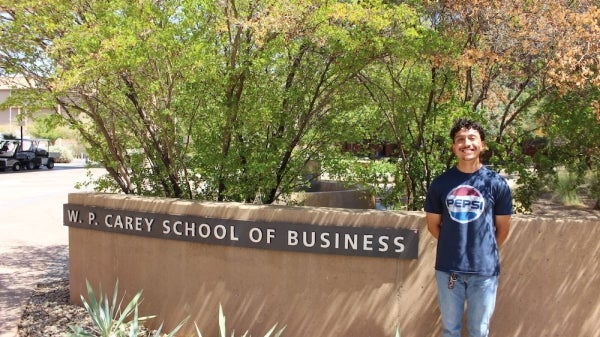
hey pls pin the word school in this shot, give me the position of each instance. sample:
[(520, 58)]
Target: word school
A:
[(342, 240)]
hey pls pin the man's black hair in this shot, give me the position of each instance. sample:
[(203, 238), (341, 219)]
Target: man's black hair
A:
[(466, 124)]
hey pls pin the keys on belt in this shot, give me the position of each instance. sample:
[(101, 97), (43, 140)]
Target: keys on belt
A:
[(452, 280)]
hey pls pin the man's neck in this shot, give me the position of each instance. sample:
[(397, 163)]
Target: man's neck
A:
[(469, 166)]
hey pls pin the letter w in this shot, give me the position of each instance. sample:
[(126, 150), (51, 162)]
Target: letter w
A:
[(73, 215)]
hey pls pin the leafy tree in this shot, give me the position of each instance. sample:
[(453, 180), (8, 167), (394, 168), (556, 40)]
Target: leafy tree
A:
[(49, 127), (573, 134), (283, 82), (496, 61), (514, 55), (201, 99), (228, 100)]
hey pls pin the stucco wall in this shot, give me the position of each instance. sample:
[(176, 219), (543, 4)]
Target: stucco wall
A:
[(549, 283)]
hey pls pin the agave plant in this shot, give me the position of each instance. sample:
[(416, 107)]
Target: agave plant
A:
[(223, 333), (109, 319)]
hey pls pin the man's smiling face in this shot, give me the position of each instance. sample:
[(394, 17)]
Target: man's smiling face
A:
[(467, 144)]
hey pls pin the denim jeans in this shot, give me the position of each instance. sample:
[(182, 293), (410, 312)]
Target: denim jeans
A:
[(479, 293)]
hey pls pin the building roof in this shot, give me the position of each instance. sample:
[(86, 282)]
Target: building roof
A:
[(13, 82)]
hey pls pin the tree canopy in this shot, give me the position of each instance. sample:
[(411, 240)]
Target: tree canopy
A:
[(228, 100)]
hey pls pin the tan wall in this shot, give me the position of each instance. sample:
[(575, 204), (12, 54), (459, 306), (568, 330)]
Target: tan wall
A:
[(550, 285), (326, 193)]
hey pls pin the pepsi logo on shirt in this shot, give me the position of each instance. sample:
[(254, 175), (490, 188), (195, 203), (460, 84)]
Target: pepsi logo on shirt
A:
[(465, 203)]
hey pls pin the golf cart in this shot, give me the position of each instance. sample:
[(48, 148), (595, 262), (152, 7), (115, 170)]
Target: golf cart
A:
[(25, 153)]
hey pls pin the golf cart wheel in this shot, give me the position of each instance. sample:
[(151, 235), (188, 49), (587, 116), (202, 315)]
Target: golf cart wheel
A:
[(50, 164), (30, 165), (17, 167)]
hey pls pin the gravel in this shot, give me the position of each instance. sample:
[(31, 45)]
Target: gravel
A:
[(49, 314)]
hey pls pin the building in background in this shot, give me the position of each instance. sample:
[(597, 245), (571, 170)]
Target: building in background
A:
[(10, 120)]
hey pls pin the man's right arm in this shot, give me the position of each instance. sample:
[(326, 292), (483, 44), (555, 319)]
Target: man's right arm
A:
[(434, 222)]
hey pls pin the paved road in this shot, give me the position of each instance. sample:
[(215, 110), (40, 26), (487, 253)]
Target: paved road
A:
[(33, 241)]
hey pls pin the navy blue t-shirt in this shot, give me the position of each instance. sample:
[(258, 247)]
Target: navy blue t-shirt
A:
[(468, 203)]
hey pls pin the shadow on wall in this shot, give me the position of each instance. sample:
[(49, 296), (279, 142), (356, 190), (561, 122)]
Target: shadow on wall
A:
[(549, 284), (312, 294)]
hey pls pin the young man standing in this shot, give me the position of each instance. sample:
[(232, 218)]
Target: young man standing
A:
[(468, 210)]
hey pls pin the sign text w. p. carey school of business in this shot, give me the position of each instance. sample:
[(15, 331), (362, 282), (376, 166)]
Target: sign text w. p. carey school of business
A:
[(341, 240)]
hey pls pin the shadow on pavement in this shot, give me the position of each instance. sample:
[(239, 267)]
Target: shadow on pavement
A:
[(21, 268)]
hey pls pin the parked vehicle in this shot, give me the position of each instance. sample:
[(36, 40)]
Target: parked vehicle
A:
[(25, 153)]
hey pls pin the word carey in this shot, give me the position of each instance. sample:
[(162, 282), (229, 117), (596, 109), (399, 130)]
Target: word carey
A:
[(339, 239)]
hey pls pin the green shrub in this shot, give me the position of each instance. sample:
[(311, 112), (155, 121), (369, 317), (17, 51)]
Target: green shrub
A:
[(566, 188), (65, 155)]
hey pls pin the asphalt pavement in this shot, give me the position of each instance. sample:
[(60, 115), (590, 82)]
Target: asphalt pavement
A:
[(33, 240)]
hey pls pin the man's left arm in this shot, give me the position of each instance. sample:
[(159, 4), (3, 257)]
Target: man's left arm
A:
[(502, 223)]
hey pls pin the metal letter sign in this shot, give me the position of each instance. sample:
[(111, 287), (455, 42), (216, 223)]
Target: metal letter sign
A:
[(342, 240)]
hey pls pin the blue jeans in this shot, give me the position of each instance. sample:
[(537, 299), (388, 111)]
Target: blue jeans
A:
[(479, 293)]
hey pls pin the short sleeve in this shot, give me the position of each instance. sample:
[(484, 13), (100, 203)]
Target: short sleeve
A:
[(503, 203), (433, 202)]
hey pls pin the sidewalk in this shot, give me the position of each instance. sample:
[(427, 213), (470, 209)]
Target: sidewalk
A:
[(33, 241)]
